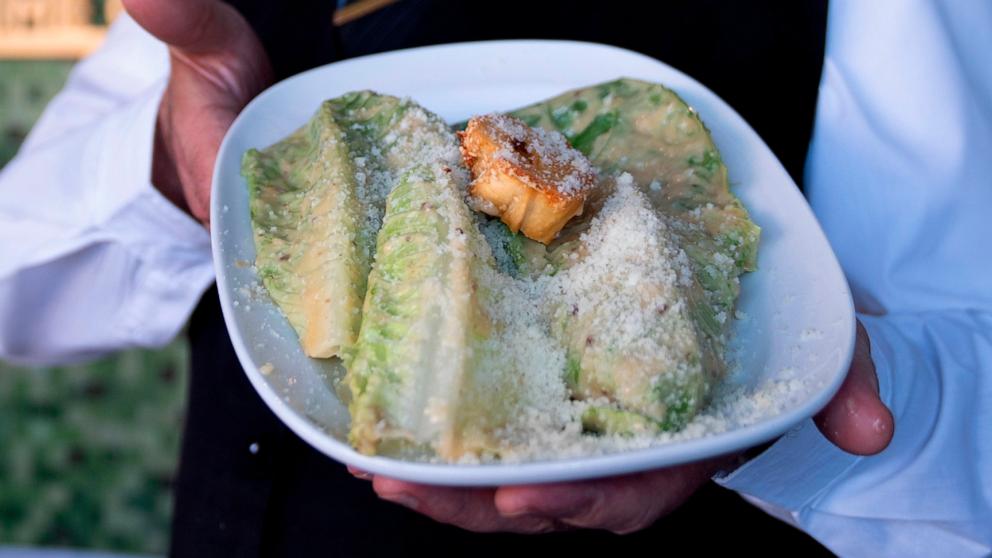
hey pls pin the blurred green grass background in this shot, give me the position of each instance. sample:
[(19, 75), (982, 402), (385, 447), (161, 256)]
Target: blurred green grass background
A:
[(87, 452)]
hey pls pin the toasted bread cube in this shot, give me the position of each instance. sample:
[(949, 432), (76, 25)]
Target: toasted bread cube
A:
[(528, 177)]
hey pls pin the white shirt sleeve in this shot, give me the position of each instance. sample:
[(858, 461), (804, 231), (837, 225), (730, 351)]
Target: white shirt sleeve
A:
[(92, 257), (898, 174)]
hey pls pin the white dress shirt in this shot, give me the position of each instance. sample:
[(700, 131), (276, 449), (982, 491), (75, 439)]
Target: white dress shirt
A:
[(94, 259)]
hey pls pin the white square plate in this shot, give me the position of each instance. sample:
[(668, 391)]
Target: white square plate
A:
[(800, 319)]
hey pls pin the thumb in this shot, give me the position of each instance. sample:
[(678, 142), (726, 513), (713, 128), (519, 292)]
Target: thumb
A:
[(856, 420), (194, 26)]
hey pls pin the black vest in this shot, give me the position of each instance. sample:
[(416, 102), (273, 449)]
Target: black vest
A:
[(286, 499), (763, 57)]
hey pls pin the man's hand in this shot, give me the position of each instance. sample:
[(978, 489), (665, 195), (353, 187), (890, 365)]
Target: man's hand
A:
[(855, 420), (218, 65)]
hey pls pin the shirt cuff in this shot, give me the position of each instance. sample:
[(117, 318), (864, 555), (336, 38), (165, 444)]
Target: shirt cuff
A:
[(172, 250), (788, 478)]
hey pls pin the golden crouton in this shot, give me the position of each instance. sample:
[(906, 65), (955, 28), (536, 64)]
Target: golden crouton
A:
[(528, 177)]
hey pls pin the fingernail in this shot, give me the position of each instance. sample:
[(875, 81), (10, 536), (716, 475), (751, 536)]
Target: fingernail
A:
[(359, 474), (520, 512), (402, 499)]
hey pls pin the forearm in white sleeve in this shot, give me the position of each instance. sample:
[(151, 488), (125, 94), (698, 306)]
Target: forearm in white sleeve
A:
[(93, 257), (898, 175)]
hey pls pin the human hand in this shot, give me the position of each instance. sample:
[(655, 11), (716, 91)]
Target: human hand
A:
[(855, 420), (621, 504), (217, 66)]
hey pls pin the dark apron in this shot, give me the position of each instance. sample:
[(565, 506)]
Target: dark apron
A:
[(287, 499)]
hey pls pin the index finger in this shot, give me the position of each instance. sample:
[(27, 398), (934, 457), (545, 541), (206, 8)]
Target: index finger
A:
[(619, 504), (473, 509)]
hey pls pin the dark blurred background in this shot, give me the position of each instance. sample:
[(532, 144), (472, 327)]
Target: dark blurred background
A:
[(87, 452)]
